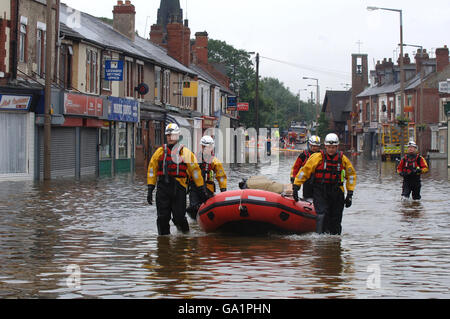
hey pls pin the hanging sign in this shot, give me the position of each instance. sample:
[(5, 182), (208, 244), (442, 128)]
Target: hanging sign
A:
[(123, 110), (113, 70), (15, 102), (190, 89)]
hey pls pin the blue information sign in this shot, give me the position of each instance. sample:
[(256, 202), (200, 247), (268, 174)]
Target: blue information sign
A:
[(123, 110), (232, 102), (113, 70)]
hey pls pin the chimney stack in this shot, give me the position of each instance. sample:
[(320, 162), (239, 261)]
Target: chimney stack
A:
[(157, 35), (442, 56), (124, 19), (420, 58), (178, 42), (201, 47)]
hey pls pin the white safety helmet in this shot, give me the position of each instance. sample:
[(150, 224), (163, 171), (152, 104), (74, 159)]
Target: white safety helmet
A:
[(332, 139), (314, 140), (172, 128), (207, 141), (413, 144)]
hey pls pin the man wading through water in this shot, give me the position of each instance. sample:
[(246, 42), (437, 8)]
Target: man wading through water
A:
[(211, 167), (313, 147), (171, 165), (329, 170), (411, 167)]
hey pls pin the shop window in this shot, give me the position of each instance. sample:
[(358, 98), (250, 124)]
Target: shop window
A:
[(139, 134), (65, 69), (40, 52), (129, 87), (166, 87), (157, 84), (367, 117), (140, 77), (22, 42), (91, 71), (105, 143), (158, 135), (123, 140), (106, 85)]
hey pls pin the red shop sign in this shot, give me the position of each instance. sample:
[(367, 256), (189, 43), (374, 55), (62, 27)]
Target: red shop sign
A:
[(77, 104)]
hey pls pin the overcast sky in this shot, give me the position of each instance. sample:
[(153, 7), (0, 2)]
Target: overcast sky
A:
[(315, 37)]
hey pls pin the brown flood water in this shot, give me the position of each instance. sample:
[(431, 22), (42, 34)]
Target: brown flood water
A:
[(105, 230)]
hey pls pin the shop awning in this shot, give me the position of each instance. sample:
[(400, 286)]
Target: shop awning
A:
[(180, 121)]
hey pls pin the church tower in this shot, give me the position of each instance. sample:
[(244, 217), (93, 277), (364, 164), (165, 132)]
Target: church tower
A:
[(169, 12)]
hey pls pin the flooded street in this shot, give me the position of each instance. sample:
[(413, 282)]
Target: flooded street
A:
[(105, 230)]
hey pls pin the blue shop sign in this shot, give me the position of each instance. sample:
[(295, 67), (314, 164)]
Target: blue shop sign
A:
[(232, 102), (123, 110), (113, 70)]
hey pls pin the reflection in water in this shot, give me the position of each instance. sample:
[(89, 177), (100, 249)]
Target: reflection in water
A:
[(105, 228)]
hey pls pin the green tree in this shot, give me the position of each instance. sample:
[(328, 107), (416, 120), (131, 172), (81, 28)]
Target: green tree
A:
[(277, 104), (324, 126)]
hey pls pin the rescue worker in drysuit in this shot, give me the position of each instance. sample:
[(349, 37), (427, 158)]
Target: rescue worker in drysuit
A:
[(170, 167), (329, 170), (211, 167), (313, 147), (411, 167)]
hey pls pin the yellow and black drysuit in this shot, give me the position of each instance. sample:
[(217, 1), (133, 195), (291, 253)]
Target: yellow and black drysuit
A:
[(328, 173), (211, 167), (170, 167), (411, 167), (301, 160)]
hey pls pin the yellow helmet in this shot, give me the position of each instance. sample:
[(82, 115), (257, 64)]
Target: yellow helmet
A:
[(172, 128), (314, 140)]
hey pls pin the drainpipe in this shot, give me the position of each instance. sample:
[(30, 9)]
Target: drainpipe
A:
[(13, 49)]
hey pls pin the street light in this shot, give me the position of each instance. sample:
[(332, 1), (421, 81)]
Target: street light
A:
[(422, 75), (256, 96), (300, 99), (402, 71), (318, 94)]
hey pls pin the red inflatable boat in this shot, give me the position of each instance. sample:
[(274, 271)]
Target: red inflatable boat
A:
[(253, 211)]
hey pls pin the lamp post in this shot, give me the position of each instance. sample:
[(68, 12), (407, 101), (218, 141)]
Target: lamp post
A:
[(300, 99), (317, 94), (48, 93), (402, 71), (256, 93), (419, 117)]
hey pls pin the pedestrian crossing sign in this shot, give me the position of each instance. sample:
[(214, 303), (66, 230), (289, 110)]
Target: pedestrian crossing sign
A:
[(190, 89)]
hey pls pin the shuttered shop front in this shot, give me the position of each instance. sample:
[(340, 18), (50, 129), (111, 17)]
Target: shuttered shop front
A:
[(88, 151), (13, 143), (63, 152)]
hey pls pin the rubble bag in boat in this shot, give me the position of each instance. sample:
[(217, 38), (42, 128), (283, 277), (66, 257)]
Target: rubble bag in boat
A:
[(244, 209)]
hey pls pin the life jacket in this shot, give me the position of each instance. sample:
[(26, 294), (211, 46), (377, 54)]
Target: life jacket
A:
[(410, 164), (170, 166), (207, 170), (303, 159), (329, 170)]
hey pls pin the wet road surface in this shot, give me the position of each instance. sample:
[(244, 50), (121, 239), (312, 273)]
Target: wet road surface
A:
[(98, 239)]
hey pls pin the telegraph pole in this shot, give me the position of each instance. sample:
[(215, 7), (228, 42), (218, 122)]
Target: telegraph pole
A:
[(257, 97), (48, 93)]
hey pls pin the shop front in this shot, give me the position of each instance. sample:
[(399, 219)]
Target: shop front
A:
[(149, 133), (17, 134), (120, 136), (74, 136)]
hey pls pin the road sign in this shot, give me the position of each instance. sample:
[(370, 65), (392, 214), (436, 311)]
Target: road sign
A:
[(232, 103), (243, 106), (113, 70)]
